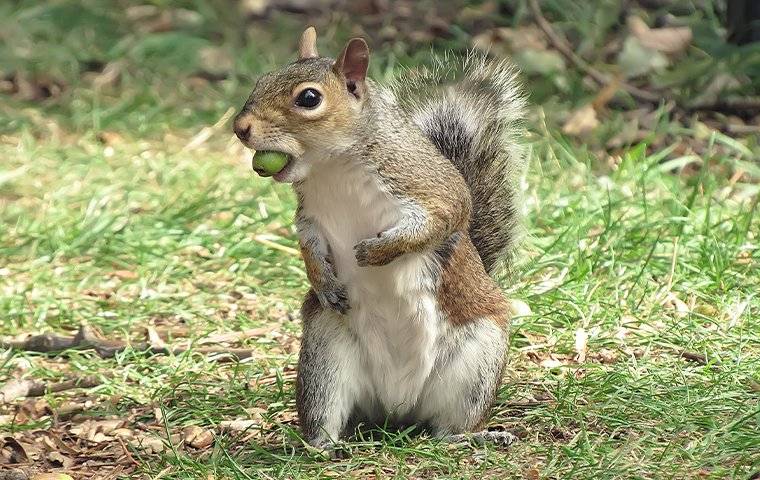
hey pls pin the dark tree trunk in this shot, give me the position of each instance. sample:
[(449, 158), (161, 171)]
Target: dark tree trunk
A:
[(743, 21)]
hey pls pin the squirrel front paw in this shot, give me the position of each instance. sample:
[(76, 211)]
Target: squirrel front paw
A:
[(375, 252), (334, 296)]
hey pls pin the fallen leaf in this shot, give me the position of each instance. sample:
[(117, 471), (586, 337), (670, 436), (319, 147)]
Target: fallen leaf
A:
[(519, 308), (97, 431), (197, 437), (635, 59), (672, 302), (59, 460), (123, 433), (109, 76), (148, 444), (110, 138), (532, 474), (605, 355), (539, 62), (506, 41), (254, 8), (215, 61), (124, 274), (736, 311), (670, 40), (14, 389), (581, 122), (238, 425), (551, 363), (52, 476), (12, 451)]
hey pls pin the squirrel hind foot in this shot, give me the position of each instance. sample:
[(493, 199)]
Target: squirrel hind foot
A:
[(498, 438)]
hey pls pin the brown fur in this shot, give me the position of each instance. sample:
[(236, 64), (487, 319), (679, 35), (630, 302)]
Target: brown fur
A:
[(314, 271), (466, 292), (310, 306)]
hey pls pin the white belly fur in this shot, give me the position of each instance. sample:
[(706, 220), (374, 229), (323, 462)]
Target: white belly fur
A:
[(393, 314)]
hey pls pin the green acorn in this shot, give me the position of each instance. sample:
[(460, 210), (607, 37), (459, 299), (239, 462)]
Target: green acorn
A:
[(267, 163)]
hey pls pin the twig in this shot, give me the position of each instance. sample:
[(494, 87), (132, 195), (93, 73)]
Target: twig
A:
[(206, 132), (34, 388), (266, 240), (127, 454), (86, 337), (564, 48), (229, 337), (525, 403), (730, 104)]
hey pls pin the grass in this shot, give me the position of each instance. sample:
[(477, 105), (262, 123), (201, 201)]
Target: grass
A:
[(114, 213)]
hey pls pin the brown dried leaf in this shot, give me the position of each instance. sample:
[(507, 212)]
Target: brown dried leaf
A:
[(148, 444), (14, 389), (97, 431), (670, 40), (110, 138), (59, 460), (551, 363), (532, 474), (672, 302), (123, 433), (215, 61), (110, 76), (197, 437), (11, 451), (239, 425), (581, 122), (52, 476), (124, 274)]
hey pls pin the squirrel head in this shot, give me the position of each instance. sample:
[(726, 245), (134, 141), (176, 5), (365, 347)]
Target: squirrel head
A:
[(308, 109)]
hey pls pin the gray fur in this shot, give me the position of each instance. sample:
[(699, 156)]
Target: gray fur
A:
[(456, 398), (471, 109)]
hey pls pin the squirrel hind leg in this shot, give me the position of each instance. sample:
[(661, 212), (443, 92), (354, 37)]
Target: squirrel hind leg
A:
[(466, 378), (328, 385)]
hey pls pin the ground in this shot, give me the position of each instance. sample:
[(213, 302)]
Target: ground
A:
[(127, 206)]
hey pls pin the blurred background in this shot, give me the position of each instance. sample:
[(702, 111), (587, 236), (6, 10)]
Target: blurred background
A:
[(102, 65), (127, 205)]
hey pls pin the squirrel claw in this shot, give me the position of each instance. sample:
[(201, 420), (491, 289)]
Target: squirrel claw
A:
[(498, 438), (330, 450), (335, 298)]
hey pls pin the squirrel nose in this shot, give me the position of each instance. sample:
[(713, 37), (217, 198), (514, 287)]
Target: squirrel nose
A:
[(242, 128)]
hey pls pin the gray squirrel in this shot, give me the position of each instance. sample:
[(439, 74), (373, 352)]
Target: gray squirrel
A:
[(407, 206)]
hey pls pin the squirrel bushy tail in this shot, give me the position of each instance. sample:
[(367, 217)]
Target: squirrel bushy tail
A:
[(471, 109)]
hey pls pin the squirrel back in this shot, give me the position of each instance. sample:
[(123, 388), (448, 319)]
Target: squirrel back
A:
[(471, 108)]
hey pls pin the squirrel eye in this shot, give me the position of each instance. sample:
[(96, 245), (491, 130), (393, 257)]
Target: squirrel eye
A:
[(309, 98)]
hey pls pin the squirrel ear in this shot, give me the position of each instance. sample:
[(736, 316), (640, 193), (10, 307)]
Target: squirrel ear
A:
[(307, 45), (352, 64)]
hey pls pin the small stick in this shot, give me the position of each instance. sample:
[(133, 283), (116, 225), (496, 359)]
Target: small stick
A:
[(86, 337), (34, 388), (731, 104)]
